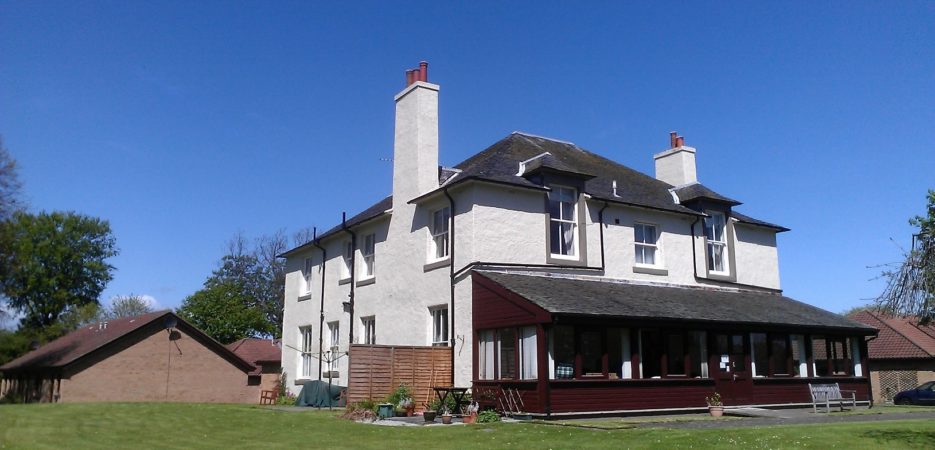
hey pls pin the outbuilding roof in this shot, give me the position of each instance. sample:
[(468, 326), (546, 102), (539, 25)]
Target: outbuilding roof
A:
[(91, 338), (899, 338), (565, 295)]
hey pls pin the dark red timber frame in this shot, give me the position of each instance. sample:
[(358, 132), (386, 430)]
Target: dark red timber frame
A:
[(495, 308)]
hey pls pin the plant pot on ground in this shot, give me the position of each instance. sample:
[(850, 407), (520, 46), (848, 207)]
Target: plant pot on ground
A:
[(446, 418), (715, 406), (428, 415)]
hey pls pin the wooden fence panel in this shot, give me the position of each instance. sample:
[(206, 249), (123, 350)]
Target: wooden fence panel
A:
[(377, 370)]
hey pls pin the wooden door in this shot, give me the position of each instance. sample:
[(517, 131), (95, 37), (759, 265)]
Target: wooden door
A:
[(730, 366)]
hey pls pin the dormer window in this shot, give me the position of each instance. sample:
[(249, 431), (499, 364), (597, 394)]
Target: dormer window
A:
[(563, 221), (715, 226)]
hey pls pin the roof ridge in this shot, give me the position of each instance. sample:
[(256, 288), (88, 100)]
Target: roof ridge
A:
[(530, 135)]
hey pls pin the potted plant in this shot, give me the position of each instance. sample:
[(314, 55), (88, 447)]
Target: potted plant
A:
[(470, 413), (431, 410), (408, 406), (446, 416), (715, 406)]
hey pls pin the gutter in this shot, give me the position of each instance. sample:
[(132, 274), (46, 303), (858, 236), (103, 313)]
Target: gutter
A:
[(321, 319), (451, 281), (350, 301), (471, 265)]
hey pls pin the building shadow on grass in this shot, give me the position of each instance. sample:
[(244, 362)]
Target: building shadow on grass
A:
[(909, 438)]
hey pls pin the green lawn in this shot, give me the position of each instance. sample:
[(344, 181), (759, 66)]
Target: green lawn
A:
[(163, 425)]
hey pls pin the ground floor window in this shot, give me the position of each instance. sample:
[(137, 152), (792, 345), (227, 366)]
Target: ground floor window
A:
[(439, 326), (369, 325), (305, 346), (831, 356), (485, 352)]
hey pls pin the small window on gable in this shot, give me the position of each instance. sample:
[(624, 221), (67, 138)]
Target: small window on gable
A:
[(368, 255), (307, 275), (348, 257), (441, 220), (716, 233), (646, 244), (563, 221)]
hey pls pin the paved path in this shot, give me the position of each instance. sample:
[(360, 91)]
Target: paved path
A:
[(790, 417)]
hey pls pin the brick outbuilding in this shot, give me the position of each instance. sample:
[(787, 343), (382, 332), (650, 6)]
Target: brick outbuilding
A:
[(902, 356), (152, 357)]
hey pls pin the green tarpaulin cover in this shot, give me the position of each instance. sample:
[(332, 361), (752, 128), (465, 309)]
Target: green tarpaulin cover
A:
[(317, 393)]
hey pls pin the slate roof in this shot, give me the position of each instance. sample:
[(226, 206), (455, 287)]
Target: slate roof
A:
[(563, 295), (695, 191), (751, 221), (899, 338), (89, 338), (499, 163)]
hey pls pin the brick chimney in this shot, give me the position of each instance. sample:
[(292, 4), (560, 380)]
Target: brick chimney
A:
[(415, 147), (676, 165)]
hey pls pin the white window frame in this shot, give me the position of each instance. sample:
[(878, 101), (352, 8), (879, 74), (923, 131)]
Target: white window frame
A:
[(440, 326), (527, 353), (305, 351), (334, 337), (485, 355), (643, 245), (369, 329), (367, 253), (438, 250), (716, 219), (572, 252), (307, 275), (347, 255)]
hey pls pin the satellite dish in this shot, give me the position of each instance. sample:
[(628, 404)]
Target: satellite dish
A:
[(170, 322)]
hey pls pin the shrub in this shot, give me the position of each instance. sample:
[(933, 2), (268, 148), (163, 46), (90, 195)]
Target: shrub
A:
[(400, 396), (488, 416)]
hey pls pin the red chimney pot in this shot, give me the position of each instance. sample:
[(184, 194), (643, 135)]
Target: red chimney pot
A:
[(680, 141), (410, 77), (424, 71), (673, 138)]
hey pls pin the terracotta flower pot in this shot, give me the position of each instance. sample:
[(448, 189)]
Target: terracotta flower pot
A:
[(716, 411), (446, 419), (471, 418)]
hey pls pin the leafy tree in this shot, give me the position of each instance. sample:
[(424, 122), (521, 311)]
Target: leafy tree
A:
[(223, 311), (127, 306), (9, 185), (53, 263), (910, 288)]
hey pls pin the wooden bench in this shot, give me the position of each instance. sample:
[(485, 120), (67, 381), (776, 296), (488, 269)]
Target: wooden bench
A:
[(268, 397), (831, 393)]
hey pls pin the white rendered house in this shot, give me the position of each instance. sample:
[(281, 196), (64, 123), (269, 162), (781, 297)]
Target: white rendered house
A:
[(559, 272)]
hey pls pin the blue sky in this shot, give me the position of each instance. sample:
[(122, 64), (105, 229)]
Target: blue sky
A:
[(184, 123)]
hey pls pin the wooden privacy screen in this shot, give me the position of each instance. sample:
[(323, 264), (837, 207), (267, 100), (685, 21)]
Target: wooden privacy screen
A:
[(376, 371)]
